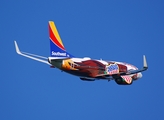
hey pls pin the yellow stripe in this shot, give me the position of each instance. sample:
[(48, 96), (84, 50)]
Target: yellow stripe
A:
[(55, 32)]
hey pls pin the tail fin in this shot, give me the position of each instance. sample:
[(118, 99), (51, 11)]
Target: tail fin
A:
[(57, 48)]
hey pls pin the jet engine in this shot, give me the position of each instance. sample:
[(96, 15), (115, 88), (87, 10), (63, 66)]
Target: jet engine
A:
[(124, 80)]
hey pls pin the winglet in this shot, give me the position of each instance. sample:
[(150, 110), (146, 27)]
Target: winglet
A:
[(144, 62), (17, 48)]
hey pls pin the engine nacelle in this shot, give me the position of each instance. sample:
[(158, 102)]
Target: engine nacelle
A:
[(124, 80)]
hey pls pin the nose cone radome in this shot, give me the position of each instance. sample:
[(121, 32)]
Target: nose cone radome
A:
[(139, 75)]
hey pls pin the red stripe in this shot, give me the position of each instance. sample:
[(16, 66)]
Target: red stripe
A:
[(127, 78), (53, 38)]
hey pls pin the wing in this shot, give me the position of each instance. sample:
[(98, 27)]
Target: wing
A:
[(145, 67), (31, 56)]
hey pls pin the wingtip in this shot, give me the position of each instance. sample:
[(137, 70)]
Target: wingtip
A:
[(17, 48), (145, 62)]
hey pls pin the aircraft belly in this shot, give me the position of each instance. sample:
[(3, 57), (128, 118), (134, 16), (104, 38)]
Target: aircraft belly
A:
[(77, 73)]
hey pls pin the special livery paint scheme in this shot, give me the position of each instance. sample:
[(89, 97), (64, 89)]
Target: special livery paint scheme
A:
[(85, 68)]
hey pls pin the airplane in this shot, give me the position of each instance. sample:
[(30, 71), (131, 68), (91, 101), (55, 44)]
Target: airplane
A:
[(86, 69)]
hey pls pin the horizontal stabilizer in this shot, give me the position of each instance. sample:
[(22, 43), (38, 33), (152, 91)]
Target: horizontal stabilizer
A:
[(31, 56)]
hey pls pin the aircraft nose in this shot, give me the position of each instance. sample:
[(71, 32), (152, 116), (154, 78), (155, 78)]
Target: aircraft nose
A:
[(139, 75)]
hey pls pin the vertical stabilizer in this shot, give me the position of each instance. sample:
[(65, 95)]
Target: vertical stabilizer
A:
[(57, 48)]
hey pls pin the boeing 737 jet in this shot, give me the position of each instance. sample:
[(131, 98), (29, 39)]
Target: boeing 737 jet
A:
[(86, 69)]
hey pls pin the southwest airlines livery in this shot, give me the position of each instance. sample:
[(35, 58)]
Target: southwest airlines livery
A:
[(86, 69)]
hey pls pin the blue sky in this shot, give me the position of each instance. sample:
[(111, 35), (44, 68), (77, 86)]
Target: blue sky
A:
[(111, 30)]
